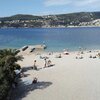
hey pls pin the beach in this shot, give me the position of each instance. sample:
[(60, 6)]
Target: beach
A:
[(72, 77)]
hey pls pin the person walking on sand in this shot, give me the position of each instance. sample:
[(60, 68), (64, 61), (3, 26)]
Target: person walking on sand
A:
[(34, 66), (45, 62)]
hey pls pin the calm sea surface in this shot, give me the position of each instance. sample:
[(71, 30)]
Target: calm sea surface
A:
[(56, 39)]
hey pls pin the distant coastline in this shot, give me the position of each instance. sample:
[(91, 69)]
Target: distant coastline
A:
[(82, 19)]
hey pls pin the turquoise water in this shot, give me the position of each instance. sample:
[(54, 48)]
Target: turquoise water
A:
[(56, 39)]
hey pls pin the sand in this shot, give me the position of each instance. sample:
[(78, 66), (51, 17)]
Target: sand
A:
[(68, 79)]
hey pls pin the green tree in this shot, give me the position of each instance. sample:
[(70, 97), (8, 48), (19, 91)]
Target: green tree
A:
[(8, 59)]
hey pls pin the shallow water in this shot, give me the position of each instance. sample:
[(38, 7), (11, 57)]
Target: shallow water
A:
[(56, 39)]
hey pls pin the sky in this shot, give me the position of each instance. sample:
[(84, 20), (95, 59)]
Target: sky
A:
[(47, 7)]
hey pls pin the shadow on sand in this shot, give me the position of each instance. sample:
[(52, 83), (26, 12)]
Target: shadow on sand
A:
[(23, 89), (26, 75), (25, 69)]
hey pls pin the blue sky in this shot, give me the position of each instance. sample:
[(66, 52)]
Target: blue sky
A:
[(45, 7)]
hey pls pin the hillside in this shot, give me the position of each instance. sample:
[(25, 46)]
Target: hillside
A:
[(62, 20)]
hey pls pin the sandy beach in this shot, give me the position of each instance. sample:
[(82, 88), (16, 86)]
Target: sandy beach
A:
[(73, 77)]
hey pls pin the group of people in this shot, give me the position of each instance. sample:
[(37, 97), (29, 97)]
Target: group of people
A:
[(47, 63)]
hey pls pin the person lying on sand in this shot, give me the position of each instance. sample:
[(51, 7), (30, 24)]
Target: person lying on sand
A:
[(58, 56)]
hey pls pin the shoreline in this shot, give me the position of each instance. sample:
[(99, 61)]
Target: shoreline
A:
[(49, 27), (61, 51)]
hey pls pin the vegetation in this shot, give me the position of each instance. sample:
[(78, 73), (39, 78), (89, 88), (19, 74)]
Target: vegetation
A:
[(8, 59), (20, 17), (73, 19)]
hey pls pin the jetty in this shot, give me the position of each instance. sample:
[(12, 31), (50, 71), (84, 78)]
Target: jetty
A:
[(31, 49)]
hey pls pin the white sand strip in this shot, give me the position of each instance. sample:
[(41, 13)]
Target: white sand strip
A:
[(69, 79)]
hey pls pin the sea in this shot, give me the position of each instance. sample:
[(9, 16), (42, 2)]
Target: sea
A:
[(56, 39)]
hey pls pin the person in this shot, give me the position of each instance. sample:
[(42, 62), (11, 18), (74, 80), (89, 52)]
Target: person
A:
[(35, 67), (59, 55), (22, 74), (90, 56), (65, 52), (45, 62), (34, 81), (49, 63), (49, 53)]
